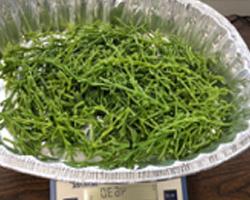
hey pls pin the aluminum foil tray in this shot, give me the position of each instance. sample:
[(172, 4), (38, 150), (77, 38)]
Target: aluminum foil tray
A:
[(200, 25)]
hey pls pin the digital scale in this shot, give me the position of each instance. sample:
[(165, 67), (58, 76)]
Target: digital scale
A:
[(175, 189)]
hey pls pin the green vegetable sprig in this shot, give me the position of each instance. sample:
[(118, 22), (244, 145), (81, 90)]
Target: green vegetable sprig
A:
[(112, 95)]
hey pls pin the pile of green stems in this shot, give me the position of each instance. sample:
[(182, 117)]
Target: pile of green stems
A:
[(112, 96)]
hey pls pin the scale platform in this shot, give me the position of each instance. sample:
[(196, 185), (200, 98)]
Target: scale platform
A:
[(175, 189)]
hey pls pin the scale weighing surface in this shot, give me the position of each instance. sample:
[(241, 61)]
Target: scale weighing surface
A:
[(175, 189)]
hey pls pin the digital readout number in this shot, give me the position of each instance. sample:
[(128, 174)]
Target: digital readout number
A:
[(112, 192)]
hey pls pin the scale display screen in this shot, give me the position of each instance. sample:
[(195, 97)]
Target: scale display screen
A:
[(163, 190)]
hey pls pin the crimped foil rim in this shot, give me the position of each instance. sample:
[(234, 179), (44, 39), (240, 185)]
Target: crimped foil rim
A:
[(60, 171)]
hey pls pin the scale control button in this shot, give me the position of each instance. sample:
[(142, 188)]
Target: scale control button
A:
[(170, 195)]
